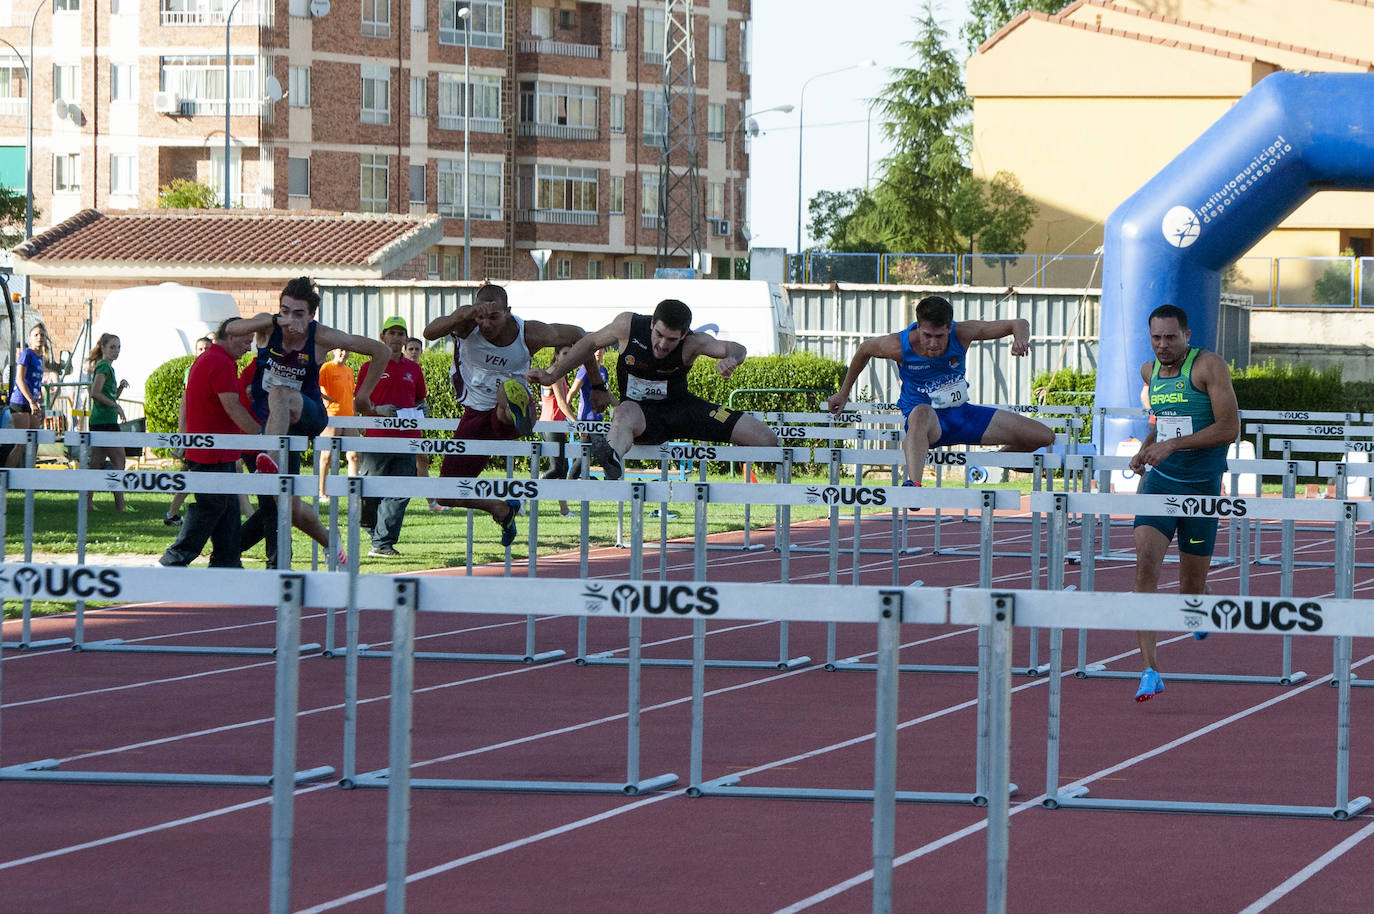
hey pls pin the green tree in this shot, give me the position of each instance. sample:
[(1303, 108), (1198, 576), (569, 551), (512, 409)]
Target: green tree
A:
[(995, 214), (985, 17), (924, 112), (842, 221), (13, 204), (184, 194)]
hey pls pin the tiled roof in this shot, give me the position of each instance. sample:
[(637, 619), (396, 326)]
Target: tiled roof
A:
[(230, 238)]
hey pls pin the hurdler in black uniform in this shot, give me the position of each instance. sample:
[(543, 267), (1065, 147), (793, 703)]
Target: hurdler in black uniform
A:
[(656, 353)]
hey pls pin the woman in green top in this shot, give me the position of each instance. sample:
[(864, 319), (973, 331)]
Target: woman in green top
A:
[(106, 413)]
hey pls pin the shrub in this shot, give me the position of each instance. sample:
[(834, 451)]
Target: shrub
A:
[(1269, 385)]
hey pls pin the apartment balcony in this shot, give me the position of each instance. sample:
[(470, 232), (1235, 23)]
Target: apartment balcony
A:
[(557, 216), (475, 125), (558, 48), (649, 220), (249, 14), (558, 131)]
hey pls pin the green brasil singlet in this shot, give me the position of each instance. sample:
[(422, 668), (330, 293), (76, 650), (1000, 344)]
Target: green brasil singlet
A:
[(1181, 409)]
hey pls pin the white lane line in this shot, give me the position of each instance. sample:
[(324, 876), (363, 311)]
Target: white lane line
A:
[(1316, 866)]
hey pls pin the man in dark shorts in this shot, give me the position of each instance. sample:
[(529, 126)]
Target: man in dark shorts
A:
[(284, 393), (656, 352), (931, 356), (212, 405), (491, 355), (1196, 420)]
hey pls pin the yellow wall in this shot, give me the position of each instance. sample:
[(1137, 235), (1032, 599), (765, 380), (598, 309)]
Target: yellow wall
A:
[(1338, 26)]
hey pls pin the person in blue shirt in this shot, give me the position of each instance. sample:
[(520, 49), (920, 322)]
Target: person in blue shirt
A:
[(1196, 420), (26, 400), (931, 356)]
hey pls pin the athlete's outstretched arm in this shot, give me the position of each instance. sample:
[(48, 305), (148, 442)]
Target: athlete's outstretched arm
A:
[(888, 346), (1017, 328)]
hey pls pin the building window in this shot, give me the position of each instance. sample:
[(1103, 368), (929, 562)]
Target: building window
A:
[(485, 92), (648, 195), (66, 173), (595, 269), (564, 269), (617, 31), (199, 83), (565, 188), (298, 177), (417, 184), (744, 46), (66, 82), (715, 201), (121, 82), (561, 110), (655, 35), (485, 199), (715, 42), (417, 96), (486, 22), (374, 174), (123, 174), (66, 6), (432, 265), (617, 201), (450, 267), (376, 18), (634, 269), (567, 20), (655, 117), (298, 86), (541, 22), (715, 122), (376, 107), (618, 113)]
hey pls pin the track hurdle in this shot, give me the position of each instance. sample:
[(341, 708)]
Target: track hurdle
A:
[(1342, 617), (501, 596), (728, 602), (289, 593), (29, 438), (355, 487), (1060, 505)]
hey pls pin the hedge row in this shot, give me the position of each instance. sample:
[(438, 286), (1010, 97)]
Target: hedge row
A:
[(1263, 386)]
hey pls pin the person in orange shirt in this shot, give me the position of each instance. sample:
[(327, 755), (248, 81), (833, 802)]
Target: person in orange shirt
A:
[(336, 387)]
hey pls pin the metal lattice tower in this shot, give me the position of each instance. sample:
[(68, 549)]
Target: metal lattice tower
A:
[(679, 183)]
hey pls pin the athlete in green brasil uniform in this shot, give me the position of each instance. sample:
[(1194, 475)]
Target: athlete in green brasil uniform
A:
[(1195, 421)]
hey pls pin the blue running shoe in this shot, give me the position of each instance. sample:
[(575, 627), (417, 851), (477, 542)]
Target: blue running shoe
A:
[(1151, 684), (1200, 636), (914, 485), (508, 530)]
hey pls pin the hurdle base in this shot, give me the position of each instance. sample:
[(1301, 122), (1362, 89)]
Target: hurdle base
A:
[(34, 645), (853, 664), (117, 645), (730, 786), (48, 770), (365, 650), (1293, 678), (680, 662), (381, 778), (1078, 800)]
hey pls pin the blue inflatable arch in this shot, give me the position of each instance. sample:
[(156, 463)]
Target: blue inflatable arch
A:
[(1290, 136)]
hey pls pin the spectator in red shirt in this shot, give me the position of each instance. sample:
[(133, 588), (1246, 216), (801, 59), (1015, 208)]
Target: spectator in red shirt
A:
[(400, 392), (212, 405)]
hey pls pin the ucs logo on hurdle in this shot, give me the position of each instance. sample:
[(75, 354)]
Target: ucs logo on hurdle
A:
[(183, 440), (146, 482), (654, 599), (845, 495), (789, 431), (1254, 615), (1206, 506), (499, 488), (394, 422), (686, 452), (946, 458), (26, 582), (438, 446)]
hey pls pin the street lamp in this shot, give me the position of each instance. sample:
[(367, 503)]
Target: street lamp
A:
[(730, 163), (227, 97), (28, 144), (801, 120), (464, 14)]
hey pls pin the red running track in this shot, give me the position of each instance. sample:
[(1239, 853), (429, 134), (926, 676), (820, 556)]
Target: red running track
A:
[(121, 848)]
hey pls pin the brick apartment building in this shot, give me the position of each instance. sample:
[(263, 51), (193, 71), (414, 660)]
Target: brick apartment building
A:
[(566, 121)]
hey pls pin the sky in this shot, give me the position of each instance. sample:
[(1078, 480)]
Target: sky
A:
[(791, 44)]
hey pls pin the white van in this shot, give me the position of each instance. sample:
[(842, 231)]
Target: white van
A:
[(749, 312), (155, 324)]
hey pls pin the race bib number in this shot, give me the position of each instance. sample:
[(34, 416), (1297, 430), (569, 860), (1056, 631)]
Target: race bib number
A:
[(271, 379), (951, 394), (1167, 427), (640, 389)]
